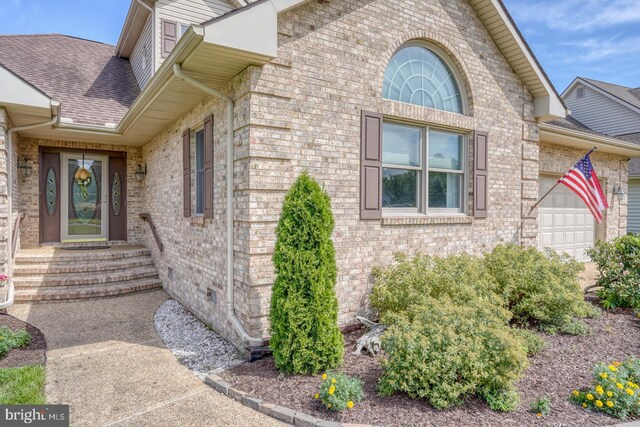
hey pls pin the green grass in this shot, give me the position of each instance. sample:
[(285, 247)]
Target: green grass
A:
[(22, 386)]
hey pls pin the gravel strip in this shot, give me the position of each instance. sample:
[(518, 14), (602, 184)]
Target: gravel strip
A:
[(193, 344)]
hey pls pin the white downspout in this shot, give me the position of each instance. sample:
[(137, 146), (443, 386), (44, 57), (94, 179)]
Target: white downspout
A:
[(9, 143), (251, 341), (153, 32)]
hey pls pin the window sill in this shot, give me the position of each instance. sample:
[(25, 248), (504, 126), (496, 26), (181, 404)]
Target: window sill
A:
[(399, 219), (198, 221)]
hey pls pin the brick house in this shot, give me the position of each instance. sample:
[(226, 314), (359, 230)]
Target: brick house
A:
[(431, 125)]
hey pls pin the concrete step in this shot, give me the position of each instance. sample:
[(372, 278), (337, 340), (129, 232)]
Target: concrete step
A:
[(60, 256), (86, 292), (81, 279), (45, 268)]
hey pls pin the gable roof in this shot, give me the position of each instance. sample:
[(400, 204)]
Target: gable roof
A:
[(629, 97), (94, 86)]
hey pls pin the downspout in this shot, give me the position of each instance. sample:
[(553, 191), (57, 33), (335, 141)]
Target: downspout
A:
[(9, 142), (153, 32), (252, 343)]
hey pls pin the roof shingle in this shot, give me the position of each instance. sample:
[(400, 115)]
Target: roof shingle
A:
[(94, 86), (629, 95)]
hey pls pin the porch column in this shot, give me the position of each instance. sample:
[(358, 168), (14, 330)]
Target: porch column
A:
[(5, 228)]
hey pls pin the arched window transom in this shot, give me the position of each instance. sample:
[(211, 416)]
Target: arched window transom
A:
[(417, 75)]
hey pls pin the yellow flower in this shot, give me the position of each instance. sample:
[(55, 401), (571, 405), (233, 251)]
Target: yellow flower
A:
[(329, 406), (576, 393), (349, 404), (616, 364), (599, 390), (332, 390), (609, 394), (604, 375), (630, 392), (584, 405), (599, 403), (609, 404), (620, 386), (590, 396), (539, 414), (333, 380), (317, 396), (324, 376), (612, 368)]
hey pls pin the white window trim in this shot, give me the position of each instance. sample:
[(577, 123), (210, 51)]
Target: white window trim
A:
[(423, 208)]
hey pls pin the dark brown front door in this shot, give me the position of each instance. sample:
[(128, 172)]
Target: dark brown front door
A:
[(50, 197), (117, 198)]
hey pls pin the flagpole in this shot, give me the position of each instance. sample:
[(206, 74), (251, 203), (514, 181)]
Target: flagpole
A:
[(557, 183)]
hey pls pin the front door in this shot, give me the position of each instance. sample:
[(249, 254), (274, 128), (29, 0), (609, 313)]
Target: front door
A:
[(84, 198)]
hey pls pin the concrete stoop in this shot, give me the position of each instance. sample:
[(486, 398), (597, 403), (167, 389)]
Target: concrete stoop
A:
[(57, 274)]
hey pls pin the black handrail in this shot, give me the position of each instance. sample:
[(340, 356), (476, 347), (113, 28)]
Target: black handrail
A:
[(147, 217)]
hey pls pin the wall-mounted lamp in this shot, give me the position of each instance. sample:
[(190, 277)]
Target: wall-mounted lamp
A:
[(26, 167), (619, 192), (141, 171)]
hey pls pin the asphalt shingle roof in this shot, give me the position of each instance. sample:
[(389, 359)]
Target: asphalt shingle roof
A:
[(94, 86), (629, 95)]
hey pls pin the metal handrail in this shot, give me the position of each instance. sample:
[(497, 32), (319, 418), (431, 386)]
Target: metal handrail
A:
[(16, 232), (147, 218)]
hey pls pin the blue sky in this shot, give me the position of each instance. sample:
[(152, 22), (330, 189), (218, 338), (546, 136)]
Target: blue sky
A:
[(599, 39)]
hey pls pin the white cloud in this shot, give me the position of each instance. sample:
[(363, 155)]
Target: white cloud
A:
[(576, 15), (597, 49)]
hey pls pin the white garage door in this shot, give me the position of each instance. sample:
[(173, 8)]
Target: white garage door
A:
[(566, 224)]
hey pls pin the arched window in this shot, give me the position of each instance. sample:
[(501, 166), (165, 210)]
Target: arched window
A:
[(417, 75)]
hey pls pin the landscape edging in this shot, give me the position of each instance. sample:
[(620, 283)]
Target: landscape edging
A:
[(280, 413)]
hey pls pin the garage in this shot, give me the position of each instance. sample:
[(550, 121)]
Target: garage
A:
[(565, 222)]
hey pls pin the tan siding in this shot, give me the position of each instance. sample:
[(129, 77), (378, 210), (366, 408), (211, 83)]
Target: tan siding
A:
[(633, 209), (186, 12), (142, 69), (602, 113)]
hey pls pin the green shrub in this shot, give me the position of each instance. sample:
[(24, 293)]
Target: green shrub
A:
[(411, 282), (502, 400), (541, 406), (305, 337), (533, 343), (10, 340), (339, 392), (540, 289), (619, 265), (615, 389), (443, 351)]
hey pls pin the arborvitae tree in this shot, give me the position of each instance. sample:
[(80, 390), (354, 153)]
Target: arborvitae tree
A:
[(305, 338)]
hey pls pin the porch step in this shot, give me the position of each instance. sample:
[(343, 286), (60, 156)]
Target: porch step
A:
[(86, 292), (42, 268), (57, 274)]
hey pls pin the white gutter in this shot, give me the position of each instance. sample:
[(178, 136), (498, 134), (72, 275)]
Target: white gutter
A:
[(177, 71), (9, 142), (634, 149)]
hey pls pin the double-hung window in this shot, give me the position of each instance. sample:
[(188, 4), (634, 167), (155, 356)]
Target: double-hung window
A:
[(199, 172), (423, 169)]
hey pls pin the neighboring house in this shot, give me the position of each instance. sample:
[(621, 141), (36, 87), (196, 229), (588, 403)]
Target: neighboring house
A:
[(612, 110), (430, 124)]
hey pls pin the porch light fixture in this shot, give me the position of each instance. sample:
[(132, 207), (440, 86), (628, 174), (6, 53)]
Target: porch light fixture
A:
[(141, 171), (618, 191), (26, 167)]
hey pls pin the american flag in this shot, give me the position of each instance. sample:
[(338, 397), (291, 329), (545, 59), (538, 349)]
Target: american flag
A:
[(583, 181)]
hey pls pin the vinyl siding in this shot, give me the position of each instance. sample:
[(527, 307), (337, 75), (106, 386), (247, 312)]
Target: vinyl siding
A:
[(633, 207), (602, 113), (142, 69), (186, 12)]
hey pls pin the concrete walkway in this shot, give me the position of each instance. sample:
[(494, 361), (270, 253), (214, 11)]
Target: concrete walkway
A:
[(106, 360)]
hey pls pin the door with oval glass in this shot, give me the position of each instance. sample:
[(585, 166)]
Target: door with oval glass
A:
[(85, 195)]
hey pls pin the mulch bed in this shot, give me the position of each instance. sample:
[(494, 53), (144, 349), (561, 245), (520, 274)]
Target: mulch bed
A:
[(564, 365), (33, 354)]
